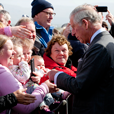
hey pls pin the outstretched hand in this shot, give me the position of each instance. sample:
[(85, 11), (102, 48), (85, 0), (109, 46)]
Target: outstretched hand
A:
[(52, 87), (21, 32), (24, 98), (51, 74), (67, 30)]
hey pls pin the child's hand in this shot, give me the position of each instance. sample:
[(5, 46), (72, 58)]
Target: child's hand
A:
[(36, 78)]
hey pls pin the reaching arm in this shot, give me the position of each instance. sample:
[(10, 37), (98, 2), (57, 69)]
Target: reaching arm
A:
[(17, 31)]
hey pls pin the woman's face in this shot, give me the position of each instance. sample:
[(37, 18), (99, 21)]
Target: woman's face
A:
[(60, 53), (7, 54)]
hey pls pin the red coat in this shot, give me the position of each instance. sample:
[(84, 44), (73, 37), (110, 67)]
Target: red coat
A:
[(51, 64)]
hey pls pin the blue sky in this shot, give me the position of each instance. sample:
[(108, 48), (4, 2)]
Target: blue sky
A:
[(17, 8)]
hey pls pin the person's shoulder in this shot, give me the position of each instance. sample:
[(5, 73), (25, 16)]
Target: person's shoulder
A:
[(4, 71)]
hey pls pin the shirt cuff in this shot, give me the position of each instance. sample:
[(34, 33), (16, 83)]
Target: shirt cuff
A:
[(7, 31), (55, 77)]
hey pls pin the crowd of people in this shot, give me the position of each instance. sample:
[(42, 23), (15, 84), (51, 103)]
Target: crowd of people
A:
[(74, 65)]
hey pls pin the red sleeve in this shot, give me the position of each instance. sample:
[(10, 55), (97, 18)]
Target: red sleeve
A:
[(73, 68), (43, 79)]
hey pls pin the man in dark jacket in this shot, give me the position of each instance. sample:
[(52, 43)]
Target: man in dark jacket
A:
[(93, 87)]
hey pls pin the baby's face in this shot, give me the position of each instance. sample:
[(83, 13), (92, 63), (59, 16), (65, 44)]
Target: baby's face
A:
[(39, 64), (18, 57)]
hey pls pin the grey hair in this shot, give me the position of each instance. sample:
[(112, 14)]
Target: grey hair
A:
[(24, 19), (6, 14), (87, 12)]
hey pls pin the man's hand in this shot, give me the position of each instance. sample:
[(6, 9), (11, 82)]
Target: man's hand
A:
[(52, 87), (24, 98), (67, 30), (51, 74)]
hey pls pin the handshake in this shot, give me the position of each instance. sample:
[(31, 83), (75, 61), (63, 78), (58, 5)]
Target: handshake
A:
[(52, 87)]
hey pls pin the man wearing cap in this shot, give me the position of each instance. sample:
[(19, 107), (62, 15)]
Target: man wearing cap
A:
[(42, 14)]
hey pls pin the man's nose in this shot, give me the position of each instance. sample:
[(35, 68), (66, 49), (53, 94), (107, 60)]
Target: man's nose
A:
[(73, 33)]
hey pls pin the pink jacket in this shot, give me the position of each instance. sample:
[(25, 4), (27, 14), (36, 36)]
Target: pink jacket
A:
[(9, 84), (2, 31)]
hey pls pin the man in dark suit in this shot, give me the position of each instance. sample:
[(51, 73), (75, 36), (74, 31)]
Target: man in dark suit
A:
[(93, 87)]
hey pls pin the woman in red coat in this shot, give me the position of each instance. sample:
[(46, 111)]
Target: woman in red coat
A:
[(57, 55)]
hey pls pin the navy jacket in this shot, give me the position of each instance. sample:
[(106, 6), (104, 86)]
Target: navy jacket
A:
[(93, 87)]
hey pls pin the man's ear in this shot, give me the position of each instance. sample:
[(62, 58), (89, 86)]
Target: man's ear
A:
[(85, 23), (9, 22)]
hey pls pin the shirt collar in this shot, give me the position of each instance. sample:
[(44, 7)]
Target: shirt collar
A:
[(96, 33)]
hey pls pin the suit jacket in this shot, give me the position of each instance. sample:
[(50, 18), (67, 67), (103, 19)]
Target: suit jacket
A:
[(78, 49), (93, 88)]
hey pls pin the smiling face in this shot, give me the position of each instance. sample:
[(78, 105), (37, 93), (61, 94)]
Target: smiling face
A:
[(18, 57), (43, 18), (60, 53), (7, 53)]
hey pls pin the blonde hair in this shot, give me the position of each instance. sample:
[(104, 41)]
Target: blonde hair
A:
[(2, 25), (27, 43), (3, 40), (16, 42), (36, 57), (25, 20)]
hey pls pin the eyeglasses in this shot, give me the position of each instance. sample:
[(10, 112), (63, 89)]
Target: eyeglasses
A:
[(49, 14)]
